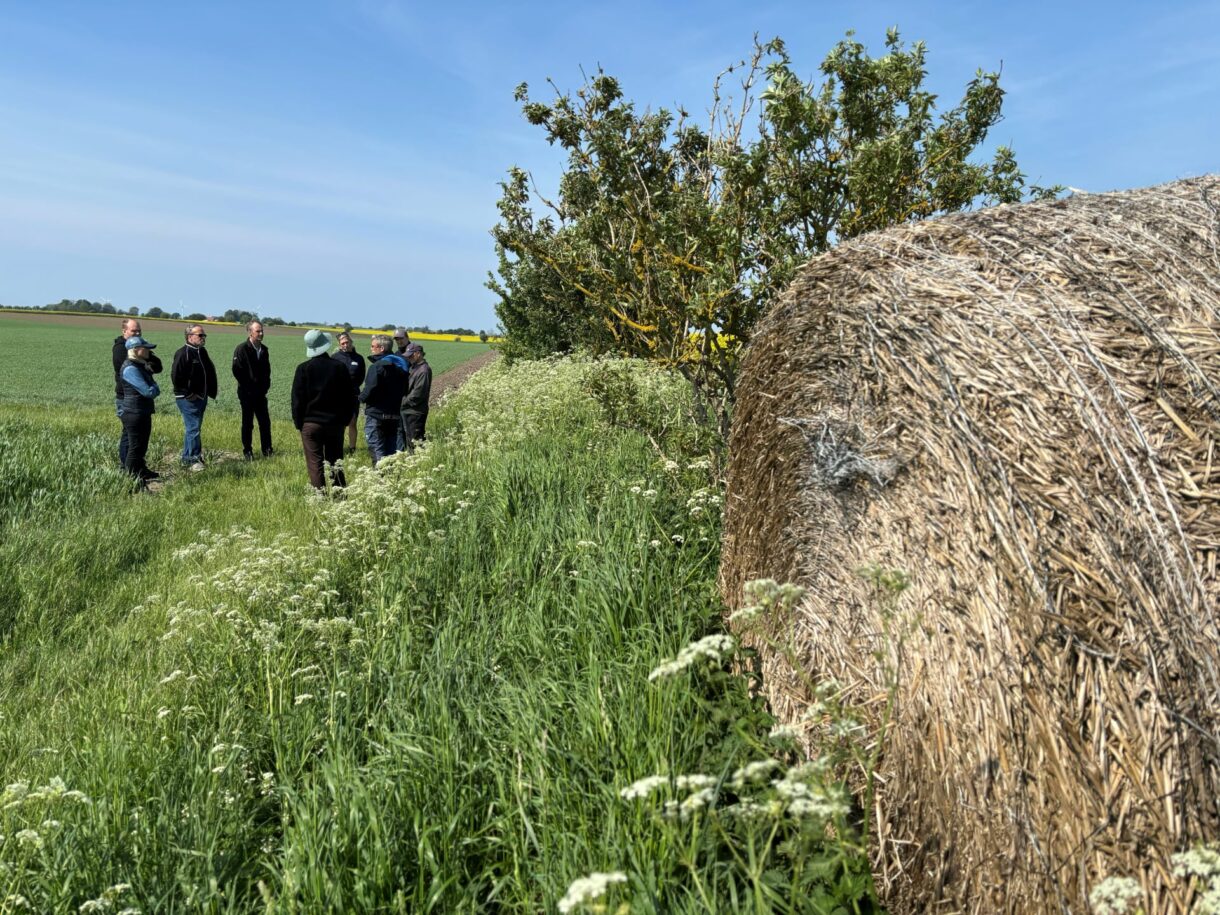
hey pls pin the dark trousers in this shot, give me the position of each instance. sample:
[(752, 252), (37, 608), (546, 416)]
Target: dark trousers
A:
[(254, 406), (323, 444), (137, 429), (413, 428)]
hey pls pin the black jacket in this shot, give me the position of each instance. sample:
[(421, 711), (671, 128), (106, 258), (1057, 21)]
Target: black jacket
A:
[(192, 373), (384, 385), (252, 371), (321, 393), (419, 387), (118, 356), (354, 363)]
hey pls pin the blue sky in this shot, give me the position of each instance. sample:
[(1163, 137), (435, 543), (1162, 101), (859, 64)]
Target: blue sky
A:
[(338, 161)]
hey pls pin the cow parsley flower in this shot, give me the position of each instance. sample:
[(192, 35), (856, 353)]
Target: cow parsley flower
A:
[(712, 648), (643, 787), (586, 889), (1114, 895)]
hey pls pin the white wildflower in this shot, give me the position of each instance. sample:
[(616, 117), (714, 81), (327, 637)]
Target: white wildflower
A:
[(29, 837), (754, 772), (687, 782), (171, 677), (712, 648), (587, 889), (303, 697), (745, 614), (677, 538), (643, 787), (784, 732), (1114, 895)]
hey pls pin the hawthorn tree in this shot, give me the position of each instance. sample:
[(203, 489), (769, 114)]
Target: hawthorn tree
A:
[(669, 240)]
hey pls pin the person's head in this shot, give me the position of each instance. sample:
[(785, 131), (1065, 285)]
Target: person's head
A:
[(380, 344), (196, 335), (317, 343), (131, 328), (414, 353), (345, 342), (400, 337), (138, 348), (254, 332)]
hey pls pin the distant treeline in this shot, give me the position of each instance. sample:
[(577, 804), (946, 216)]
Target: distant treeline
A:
[(233, 315)]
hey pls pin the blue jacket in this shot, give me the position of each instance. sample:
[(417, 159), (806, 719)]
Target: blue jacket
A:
[(384, 385), (139, 389)]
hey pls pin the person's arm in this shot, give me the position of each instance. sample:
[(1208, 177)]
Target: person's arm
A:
[(240, 370), (298, 396), (209, 374), (370, 384), (154, 364), (118, 355), (179, 370), (134, 377)]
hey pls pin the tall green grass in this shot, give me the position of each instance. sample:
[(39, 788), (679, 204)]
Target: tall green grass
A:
[(426, 694)]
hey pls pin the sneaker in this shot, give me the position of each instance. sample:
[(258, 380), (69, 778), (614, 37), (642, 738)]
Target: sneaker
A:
[(267, 452), (248, 455), (150, 475), (196, 467)]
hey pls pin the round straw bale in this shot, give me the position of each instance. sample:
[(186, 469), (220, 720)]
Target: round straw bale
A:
[(1019, 407)]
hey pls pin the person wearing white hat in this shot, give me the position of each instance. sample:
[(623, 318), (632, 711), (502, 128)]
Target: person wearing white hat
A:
[(321, 409)]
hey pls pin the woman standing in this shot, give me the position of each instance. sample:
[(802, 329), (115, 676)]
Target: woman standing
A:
[(139, 404), (354, 363)]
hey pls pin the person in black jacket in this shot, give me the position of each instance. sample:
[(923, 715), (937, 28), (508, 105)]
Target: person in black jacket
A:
[(384, 386), (415, 399), (139, 404), (194, 380), (354, 363), (118, 355), (252, 369), (321, 408)]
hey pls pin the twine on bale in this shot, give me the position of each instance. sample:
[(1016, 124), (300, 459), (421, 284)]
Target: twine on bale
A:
[(1020, 407)]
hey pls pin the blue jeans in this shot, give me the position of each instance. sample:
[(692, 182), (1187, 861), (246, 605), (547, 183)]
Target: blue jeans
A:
[(192, 421), (381, 431)]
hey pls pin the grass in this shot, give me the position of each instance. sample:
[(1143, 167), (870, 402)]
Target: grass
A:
[(426, 696), (83, 376)]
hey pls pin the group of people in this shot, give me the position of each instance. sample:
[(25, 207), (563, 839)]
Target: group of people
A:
[(326, 396)]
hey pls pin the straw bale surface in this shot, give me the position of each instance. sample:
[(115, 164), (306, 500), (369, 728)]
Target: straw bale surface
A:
[(1019, 407)]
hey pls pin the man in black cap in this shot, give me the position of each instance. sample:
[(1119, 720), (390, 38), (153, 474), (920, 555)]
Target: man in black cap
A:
[(252, 369), (140, 392), (118, 355), (415, 400)]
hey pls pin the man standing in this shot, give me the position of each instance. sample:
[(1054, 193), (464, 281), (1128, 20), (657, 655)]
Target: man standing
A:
[(354, 363), (382, 398), (252, 369), (138, 406), (118, 355), (321, 408), (194, 380), (415, 400), (401, 340)]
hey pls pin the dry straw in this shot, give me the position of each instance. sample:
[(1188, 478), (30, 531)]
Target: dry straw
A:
[(1019, 407)]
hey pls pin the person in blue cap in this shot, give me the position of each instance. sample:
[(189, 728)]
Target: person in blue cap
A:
[(140, 393)]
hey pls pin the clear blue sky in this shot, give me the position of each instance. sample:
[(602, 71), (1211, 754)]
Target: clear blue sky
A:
[(329, 160)]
